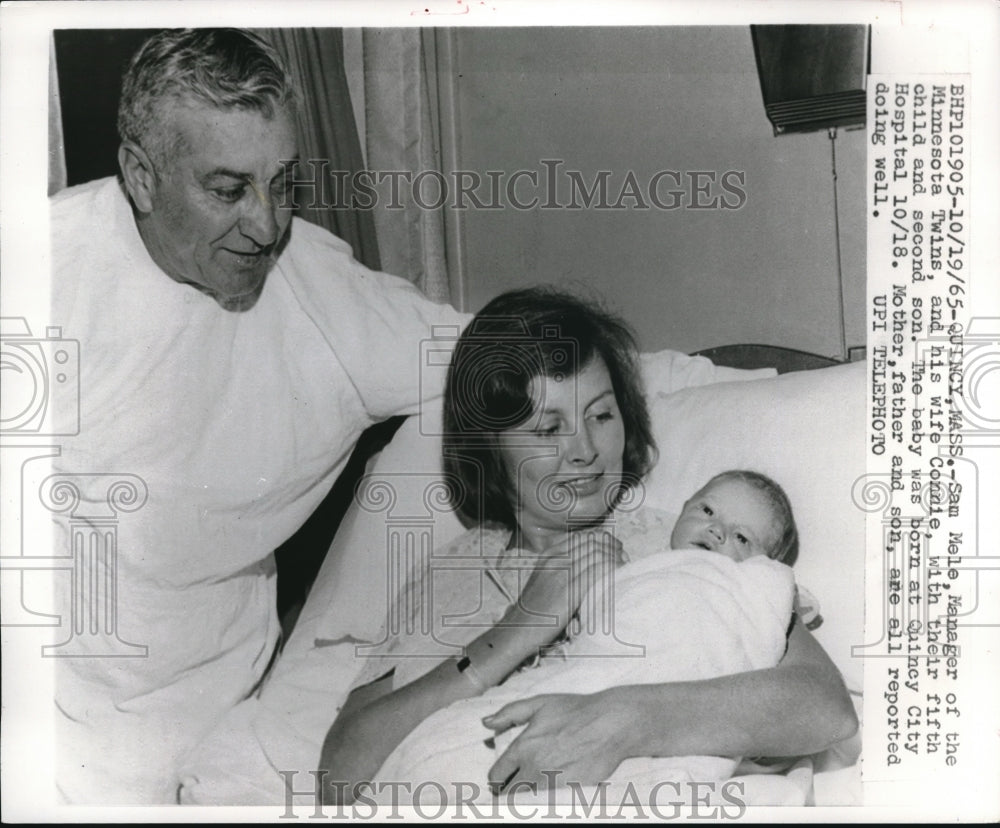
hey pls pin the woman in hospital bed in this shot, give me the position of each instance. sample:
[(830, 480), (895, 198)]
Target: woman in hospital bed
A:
[(739, 604), (546, 441)]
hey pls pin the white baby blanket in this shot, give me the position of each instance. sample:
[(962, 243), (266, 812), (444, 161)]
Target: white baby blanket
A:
[(672, 616)]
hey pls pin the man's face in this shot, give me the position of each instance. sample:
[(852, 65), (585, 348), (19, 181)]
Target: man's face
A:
[(215, 222)]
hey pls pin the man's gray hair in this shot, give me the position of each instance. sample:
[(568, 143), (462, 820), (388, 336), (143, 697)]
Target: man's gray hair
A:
[(224, 68)]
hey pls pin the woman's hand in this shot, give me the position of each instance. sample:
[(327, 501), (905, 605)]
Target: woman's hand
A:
[(565, 572), (798, 708), (568, 738)]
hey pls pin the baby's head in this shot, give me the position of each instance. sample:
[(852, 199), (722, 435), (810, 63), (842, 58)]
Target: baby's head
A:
[(739, 514)]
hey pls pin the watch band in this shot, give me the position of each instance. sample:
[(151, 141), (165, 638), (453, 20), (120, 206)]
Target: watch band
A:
[(467, 669)]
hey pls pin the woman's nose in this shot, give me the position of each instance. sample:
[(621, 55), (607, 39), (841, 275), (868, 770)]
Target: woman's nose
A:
[(582, 449)]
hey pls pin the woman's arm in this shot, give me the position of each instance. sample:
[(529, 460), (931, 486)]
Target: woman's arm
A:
[(364, 734), (374, 721), (799, 707)]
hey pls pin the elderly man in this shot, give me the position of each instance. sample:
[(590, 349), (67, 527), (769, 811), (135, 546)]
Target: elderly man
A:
[(230, 356)]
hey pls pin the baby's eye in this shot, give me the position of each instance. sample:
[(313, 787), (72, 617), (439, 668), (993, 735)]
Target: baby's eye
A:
[(742, 539), (707, 509)]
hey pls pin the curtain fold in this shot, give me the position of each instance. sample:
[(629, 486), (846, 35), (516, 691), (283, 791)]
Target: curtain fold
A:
[(327, 132), (57, 154), (401, 136)]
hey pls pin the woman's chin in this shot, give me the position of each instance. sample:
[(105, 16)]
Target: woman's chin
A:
[(589, 511)]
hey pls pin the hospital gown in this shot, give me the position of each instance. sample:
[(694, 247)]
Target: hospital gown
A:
[(224, 430)]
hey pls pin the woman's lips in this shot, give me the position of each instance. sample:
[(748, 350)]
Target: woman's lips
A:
[(584, 485)]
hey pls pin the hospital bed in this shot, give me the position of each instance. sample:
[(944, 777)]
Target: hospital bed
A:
[(805, 428)]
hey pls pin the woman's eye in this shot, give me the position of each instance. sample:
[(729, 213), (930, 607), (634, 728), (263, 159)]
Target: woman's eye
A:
[(548, 431), (604, 416)]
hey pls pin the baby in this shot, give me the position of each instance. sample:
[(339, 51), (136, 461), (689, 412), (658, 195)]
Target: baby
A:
[(739, 514), (686, 614)]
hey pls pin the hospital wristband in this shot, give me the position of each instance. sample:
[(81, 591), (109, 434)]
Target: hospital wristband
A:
[(465, 667)]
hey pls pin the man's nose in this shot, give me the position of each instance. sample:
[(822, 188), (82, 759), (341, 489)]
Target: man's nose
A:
[(260, 218)]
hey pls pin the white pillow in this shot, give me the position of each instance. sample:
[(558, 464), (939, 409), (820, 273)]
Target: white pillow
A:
[(668, 371)]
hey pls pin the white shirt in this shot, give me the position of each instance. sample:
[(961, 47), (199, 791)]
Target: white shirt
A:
[(237, 424)]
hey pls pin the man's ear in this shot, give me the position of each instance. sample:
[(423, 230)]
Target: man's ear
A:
[(138, 174)]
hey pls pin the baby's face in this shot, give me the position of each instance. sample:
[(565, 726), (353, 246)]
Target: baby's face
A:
[(728, 516)]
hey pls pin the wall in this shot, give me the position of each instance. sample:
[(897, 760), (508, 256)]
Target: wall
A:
[(650, 99)]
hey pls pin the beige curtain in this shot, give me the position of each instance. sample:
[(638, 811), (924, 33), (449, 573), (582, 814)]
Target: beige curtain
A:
[(401, 135), (327, 132)]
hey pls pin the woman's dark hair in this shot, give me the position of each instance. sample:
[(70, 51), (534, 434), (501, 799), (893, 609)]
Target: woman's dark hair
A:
[(517, 337)]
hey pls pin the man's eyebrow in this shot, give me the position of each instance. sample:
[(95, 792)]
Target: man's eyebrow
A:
[(228, 173), (285, 169)]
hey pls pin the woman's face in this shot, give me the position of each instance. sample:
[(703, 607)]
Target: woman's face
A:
[(565, 461)]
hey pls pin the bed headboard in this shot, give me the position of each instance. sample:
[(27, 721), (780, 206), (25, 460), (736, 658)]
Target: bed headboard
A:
[(784, 360)]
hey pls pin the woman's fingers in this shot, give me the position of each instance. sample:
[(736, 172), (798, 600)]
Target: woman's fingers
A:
[(566, 738), (510, 715), (513, 714), (566, 571)]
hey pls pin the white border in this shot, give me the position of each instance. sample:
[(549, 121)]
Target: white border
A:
[(931, 37)]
